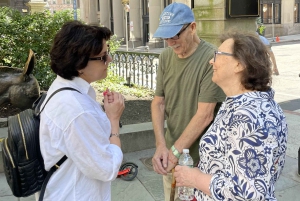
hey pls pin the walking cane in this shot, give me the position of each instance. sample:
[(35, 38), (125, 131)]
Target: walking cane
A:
[(173, 185)]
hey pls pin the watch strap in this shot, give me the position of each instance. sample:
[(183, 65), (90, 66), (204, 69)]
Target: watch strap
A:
[(175, 152)]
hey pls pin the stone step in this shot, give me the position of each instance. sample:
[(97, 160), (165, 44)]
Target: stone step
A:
[(3, 122), (134, 137), (3, 134)]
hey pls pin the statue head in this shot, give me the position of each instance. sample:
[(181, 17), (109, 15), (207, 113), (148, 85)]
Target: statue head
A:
[(19, 87)]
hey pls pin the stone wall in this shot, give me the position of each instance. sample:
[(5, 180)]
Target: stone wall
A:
[(210, 16)]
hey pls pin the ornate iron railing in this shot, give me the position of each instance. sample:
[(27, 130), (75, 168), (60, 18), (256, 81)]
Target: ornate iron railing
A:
[(137, 68)]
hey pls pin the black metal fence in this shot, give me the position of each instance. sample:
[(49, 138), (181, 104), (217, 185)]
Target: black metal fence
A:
[(138, 68)]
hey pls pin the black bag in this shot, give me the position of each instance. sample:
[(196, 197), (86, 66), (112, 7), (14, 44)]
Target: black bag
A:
[(22, 160)]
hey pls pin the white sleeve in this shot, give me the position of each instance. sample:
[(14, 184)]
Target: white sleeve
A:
[(88, 146)]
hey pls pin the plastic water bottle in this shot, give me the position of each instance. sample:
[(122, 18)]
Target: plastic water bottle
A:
[(186, 193)]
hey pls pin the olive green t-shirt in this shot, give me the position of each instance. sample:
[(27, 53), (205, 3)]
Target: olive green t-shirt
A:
[(183, 83)]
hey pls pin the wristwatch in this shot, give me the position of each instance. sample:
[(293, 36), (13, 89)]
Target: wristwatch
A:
[(114, 134), (175, 152)]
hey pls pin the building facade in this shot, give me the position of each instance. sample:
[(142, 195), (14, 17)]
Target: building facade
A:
[(281, 17), (57, 5), (53, 5), (140, 18), (17, 4)]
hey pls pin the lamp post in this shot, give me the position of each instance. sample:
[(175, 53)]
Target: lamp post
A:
[(273, 22), (126, 10), (75, 9)]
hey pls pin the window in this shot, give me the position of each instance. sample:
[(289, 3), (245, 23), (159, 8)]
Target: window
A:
[(67, 1), (270, 10), (53, 1), (296, 11), (167, 2)]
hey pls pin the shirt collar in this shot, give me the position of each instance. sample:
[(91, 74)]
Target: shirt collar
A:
[(79, 84)]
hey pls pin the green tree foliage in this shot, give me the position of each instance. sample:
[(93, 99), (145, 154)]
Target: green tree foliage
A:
[(20, 32)]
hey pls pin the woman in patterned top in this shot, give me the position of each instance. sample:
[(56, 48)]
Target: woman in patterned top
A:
[(243, 152)]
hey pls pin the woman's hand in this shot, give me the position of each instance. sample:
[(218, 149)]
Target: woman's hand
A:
[(109, 95), (186, 176), (113, 105), (192, 177)]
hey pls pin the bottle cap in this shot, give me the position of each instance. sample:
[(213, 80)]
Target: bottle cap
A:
[(186, 151)]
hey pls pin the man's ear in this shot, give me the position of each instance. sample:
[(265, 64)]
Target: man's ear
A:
[(193, 26)]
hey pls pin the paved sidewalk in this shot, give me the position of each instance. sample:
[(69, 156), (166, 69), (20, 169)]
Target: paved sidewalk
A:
[(147, 186)]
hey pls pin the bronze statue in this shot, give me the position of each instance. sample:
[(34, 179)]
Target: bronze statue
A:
[(19, 87)]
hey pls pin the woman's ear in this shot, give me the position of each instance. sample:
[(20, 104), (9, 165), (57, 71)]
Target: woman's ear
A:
[(239, 68)]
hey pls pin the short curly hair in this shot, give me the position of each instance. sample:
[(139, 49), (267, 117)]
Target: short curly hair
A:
[(73, 45), (254, 55)]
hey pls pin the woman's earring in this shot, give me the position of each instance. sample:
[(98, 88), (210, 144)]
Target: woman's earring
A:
[(80, 72), (105, 63)]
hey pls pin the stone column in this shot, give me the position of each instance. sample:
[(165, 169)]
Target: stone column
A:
[(118, 16), (105, 13), (155, 9), (135, 17), (93, 19), (88, 12), (186, 2), (210, 16), (36, 6), (83, 12), (92, 12)]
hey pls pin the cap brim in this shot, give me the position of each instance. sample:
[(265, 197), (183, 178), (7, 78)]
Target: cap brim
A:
[(167, 31)]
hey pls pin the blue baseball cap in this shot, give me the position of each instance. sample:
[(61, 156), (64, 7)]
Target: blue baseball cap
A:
[(172, 19)]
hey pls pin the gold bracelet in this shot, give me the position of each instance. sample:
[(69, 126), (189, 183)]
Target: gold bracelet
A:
[(114, 134)]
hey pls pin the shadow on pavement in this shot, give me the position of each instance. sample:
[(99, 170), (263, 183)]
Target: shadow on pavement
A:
[(291, 105)]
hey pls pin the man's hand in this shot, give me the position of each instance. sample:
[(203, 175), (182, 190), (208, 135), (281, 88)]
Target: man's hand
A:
[(160, 160), (172, 161)]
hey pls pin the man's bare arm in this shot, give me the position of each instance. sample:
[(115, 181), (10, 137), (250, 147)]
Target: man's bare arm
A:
[(158, 111), (160, 158), (203, 117), (198, 123)]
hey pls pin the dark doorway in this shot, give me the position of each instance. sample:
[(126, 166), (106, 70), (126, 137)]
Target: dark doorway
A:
[(145, 17)]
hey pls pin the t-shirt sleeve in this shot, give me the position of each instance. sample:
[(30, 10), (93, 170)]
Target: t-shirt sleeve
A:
[(159, 91), (209, 91)]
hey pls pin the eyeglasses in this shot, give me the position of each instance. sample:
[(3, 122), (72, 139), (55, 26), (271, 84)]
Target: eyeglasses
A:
[(176, 37), (223, 53), (102, 58)]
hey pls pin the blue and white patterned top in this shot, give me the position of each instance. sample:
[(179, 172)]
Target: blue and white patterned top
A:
[(244, 149)]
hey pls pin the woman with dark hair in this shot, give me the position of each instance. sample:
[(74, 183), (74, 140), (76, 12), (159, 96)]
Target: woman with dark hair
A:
[(243, 152), (74, 124)]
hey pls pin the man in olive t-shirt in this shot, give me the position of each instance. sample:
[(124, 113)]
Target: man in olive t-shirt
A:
[(185, 93)]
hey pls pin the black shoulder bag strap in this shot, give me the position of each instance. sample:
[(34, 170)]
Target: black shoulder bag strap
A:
[(58, 164)]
